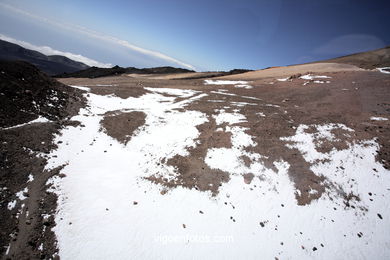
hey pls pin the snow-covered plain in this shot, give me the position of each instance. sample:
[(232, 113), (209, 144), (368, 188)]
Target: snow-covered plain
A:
[(107, 210)]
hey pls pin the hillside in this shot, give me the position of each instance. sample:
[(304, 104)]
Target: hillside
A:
[(52, 64), (366, 60), (95, 72), (34, 107)]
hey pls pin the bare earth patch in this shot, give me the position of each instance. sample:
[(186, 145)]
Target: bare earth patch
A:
[(121, 125)]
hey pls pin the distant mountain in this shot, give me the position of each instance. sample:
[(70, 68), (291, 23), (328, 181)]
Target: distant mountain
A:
[(94, 72), (366, 60), (52, 65)]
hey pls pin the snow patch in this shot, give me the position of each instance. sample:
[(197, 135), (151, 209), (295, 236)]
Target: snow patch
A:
[(311, 77), (243, 86), (378, 118), (224, 82), (40, 119), (81, 88), (385, 70)]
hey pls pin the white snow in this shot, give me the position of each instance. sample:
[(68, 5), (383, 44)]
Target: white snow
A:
[(242, 104), (231, 94), (81, 88), (31, 177), (224, 82), (98, 193), (40, 119), (231, 118), (378, 118), (311, 77), (11, 205), (243, 86), (284, 79), (20, 195), (320, 81), (385, 70), (184, 93), (260, 114)]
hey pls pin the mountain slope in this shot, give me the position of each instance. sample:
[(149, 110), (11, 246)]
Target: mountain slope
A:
[(366, 60), (27, 94), (95, 72), (52, 65)]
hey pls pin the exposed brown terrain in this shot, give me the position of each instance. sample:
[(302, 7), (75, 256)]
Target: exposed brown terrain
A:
[(273, 110), (351, 98)]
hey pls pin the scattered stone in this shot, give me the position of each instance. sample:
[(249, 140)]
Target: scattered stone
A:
[(135, 202), (184, 226), (379, 216), (262, 224), (314, 248), (201, 212)]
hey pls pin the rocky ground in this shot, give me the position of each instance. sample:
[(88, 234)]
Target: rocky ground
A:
[(34, 108), (289, 163)]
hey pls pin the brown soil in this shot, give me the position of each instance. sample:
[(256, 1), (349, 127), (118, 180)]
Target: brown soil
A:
[(24, 152), (193, 171), (351, 98), (121, 125)]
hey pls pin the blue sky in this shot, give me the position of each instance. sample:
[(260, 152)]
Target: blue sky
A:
[(205, 35)]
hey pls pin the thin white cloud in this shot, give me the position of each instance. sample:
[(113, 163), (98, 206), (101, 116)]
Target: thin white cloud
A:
[(49, 51), (100, 36)]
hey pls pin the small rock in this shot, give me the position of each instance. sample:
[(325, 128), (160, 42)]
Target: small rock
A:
[(201, 212), (314, 248), (135, 202), (379, 216), (261, 224), (184, 226)]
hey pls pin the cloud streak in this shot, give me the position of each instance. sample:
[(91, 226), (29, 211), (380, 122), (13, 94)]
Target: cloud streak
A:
[(50, 51), (100, 36)]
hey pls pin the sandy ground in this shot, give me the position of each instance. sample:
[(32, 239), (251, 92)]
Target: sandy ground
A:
[(292, 70), (279, 167)]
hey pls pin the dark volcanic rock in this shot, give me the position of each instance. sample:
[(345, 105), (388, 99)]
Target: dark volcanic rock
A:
[(26, 93)]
